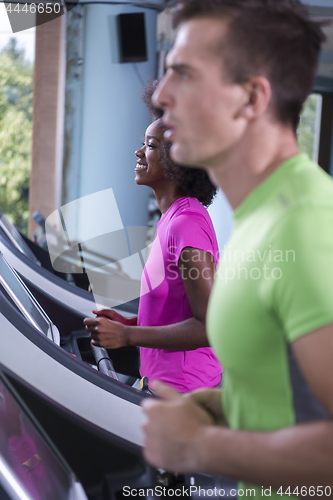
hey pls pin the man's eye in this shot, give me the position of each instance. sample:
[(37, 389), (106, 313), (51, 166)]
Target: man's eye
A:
[(152, 146), (183, 75)]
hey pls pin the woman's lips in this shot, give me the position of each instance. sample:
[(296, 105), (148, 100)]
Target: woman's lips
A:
[(140, 166)]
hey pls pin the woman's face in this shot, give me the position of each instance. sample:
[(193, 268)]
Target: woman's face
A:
[(149, 171)]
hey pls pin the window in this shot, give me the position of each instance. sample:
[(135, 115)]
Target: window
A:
[(308, 131)]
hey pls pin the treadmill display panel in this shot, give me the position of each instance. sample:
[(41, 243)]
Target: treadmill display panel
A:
[(14, 236), (29, 462), (25, 302)]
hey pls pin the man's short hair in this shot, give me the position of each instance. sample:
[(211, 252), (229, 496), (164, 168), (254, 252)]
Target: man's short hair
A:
[(273, 38)]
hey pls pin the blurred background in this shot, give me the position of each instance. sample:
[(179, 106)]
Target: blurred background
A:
[(71, 114)]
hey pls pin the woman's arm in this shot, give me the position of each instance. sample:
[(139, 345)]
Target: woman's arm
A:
[(197, 269)]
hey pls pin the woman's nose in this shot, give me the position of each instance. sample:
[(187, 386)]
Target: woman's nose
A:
[(140, 152)]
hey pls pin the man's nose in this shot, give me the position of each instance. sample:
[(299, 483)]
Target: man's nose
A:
[(159, 97)]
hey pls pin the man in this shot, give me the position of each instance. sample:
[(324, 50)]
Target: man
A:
[(236, 80)]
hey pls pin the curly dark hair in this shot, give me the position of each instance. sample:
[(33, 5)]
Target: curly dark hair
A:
[(194, 182)]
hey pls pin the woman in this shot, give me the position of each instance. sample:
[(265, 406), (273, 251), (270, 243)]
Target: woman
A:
[(177, 279)]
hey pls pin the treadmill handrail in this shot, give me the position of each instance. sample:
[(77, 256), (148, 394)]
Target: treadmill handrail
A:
[(103, 362)]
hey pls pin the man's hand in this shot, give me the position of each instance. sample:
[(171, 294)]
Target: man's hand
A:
[(211, 401), (106, 333), (174, 430)]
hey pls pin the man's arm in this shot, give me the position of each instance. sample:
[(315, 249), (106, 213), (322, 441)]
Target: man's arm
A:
[(197, 270), (180, 438)]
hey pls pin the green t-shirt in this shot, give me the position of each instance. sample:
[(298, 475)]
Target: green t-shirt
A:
[(274, 284)]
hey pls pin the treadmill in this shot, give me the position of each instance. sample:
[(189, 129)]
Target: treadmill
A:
[(34, 266), (31, 468), (39, 352), (93, 419), (84, 411)]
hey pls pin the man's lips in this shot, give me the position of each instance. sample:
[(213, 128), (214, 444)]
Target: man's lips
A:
[(171, 129), (169, 134)]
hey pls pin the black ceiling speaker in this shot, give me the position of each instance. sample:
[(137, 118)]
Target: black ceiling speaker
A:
[(132, 37)]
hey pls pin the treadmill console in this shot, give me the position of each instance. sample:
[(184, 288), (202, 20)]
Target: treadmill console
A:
[(30, 465), (21, 297)]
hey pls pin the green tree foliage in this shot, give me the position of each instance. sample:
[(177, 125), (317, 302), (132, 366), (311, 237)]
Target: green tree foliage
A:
[(307, 129), (16, 84)]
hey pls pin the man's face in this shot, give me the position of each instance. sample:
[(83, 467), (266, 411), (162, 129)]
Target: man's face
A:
[(202, 108)]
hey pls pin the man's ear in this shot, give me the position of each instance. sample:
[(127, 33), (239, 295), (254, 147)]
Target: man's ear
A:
[(258, 93)]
